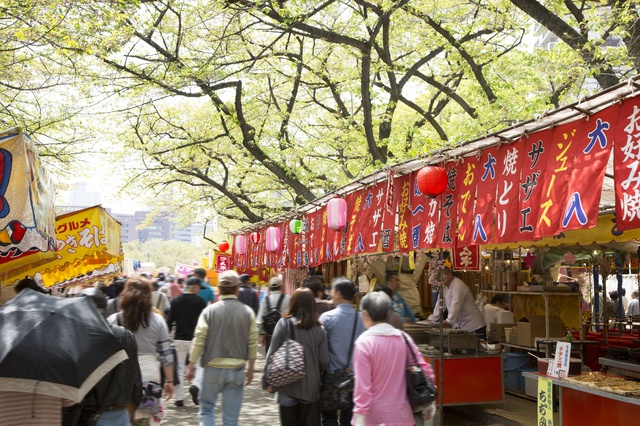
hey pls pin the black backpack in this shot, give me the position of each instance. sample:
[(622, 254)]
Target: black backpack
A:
[(273, 315)]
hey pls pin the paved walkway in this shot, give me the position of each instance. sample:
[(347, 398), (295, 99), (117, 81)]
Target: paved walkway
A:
[(260, 409), (258, 406)]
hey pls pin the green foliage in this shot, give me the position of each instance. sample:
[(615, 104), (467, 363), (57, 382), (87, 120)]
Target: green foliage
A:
[(163, 253), (239, 111)]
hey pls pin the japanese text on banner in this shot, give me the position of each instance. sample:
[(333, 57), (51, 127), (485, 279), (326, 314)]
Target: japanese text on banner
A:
[(545, 402)]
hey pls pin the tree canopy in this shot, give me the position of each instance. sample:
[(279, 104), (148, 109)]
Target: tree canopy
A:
[(245, 109)]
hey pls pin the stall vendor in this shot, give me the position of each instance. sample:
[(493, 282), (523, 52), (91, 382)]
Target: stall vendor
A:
[(458, 301)]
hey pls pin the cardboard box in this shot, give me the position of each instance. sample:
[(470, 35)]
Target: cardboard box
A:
[(534, 326), (513, 336), (496, 331)]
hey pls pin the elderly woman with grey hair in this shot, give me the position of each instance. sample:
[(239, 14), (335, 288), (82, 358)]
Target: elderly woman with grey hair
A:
[(380, 392)]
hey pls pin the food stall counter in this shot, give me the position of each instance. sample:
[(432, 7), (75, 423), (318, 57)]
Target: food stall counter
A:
[(595, 399)]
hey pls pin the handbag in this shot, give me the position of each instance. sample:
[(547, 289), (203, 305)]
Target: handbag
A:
[(151, 397), (286, 365), (337, 386), (420, 391)]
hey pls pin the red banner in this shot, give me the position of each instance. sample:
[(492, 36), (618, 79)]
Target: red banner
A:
[(564, 148), (403, 191), (387, 233), (313, 238), (537, 148), (470, 171), (466, 258), (508, 170), (295, 248), (484, 210), (418, 220), (240, 261), (223, 263), (449, 208), (581, 205), (281, 255), (626, 159)]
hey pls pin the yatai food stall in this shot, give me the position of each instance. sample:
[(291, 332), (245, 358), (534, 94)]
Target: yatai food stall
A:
[(539, 179)]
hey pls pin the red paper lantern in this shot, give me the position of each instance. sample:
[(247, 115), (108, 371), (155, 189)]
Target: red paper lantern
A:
[(255, 237), (223, 246), (432, 180)]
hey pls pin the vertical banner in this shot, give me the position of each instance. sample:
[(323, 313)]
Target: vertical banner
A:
[(358, 209), (485, 202), (295, 248), (403, 188), (626, 173), (283, 250), (545, 401), (537, 149), (565, 146), (508, 170), (471, 171), (582, 204), (313, 240), (449, 206), (387, 233), (371, 218), (417, 208)]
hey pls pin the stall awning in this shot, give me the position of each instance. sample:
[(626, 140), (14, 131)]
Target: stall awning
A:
[(87, 244), (27, 220), (605, 234)]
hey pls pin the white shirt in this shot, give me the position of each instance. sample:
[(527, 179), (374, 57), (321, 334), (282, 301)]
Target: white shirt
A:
[(491, 313), (634, 308), (625, 303), (463, 311)]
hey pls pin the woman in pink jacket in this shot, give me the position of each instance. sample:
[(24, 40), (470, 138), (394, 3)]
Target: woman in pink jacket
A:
[(380, 359)]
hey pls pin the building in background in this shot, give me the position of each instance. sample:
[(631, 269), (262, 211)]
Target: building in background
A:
[(159, 229)]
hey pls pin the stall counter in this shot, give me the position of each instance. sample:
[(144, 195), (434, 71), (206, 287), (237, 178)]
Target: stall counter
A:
[(602, 408), (469, 379)]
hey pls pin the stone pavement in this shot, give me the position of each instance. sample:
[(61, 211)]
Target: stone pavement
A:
[(258, 406)]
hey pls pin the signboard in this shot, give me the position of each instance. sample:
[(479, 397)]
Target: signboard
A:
[(466, 258), (184, 270), (545, 402), (560, 365), (223, 261), (27, 219)]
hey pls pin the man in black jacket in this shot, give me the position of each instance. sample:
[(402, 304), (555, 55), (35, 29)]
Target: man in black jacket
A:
[(115, 397), (184, 313), (247, 295)]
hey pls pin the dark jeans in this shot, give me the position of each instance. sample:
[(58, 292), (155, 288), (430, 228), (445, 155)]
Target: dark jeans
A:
[(295, 415), (332, 418), (267, 343)]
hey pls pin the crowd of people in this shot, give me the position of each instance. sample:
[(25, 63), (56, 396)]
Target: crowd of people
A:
[(181, 337)]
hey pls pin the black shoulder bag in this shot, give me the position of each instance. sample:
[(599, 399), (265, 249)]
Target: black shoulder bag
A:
[(337, 386), (420, 391)]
